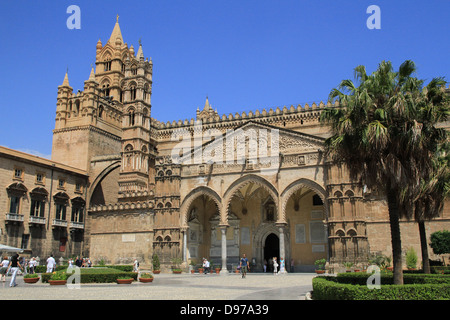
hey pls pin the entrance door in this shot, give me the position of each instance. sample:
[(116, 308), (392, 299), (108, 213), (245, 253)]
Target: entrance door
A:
[(271, 249)]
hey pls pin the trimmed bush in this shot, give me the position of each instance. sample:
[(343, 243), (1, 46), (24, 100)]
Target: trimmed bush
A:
[(97, 275), (326, 288), (43, 268), (353, 286), (360, 278)]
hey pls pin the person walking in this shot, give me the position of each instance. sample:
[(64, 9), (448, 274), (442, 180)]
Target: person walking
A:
[(282, 266), (51, 264), (135, 266), (275, 266), (245, 266), (4, 268), (31, 265), (14, 266)]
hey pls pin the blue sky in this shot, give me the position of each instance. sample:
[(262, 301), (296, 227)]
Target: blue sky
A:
[(245, 55)]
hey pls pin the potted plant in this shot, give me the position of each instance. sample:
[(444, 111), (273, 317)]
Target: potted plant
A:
[(176, 267), (58, 278), (201, 270), (192, 266), (320, 263), (31, 278), (124, 280), (348, 266), (217, 268), (145, 277), (156, 265), (411, 259)]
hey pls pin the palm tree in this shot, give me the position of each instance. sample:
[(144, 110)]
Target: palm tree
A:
[(377, 132)]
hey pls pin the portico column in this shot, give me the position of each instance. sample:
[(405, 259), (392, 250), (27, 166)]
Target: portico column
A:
[(223, 230), (184, 230), (282, 247)]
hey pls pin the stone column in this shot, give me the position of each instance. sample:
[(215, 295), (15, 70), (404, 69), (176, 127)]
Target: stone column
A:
[(223, 230), (184, 230), (282, 247)]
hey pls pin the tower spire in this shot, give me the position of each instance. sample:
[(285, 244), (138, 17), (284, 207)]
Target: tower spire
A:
[(66, 79), (116, 33)]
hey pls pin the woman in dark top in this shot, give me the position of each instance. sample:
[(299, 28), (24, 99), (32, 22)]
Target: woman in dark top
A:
[(14, 265)]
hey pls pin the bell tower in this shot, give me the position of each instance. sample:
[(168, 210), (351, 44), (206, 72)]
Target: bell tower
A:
[(137, 150)]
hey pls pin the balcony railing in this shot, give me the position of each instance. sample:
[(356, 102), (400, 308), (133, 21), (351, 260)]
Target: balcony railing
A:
[(37, 220), (14, 217), (59, 223), (76, 225)]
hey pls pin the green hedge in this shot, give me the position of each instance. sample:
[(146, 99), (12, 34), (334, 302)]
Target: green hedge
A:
[(97, 275), (43, 269), (360, 278), (327, 288)]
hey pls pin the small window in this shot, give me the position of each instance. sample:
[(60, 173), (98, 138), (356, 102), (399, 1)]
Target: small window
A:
[(78, 187), (25, 240), (18, 173), (61, 183), (40, 178)]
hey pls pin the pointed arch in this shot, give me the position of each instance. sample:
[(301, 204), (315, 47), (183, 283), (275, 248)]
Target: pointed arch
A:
[(243, 181), (303, 183), (194, 194)]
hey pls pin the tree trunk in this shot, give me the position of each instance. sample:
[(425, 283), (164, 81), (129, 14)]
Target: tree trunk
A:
[(394, 221), (424, 247)]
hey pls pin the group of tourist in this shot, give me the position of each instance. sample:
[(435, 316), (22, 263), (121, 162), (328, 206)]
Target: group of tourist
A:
[(273, 265), (10, 265), (80, 262)]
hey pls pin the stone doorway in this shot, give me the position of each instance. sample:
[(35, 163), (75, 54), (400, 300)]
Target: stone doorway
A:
[(271, 249)]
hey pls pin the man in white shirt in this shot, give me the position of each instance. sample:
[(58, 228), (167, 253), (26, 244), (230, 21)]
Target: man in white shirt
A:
[(51, 264)]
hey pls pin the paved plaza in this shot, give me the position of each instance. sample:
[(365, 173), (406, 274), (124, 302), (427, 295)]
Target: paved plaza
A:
[(257, 286)]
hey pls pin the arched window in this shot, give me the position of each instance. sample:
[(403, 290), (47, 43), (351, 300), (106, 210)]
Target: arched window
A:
[(129, 147), (107, 64), (106, 90), (15, 192), (144, 117), (100, 111), (61, 202), (78, 205), (77, 106), (133, 92), (131, 117), (38, 198)]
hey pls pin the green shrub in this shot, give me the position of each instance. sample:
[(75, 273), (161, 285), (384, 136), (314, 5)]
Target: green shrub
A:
[(440, 242), (155, 262), (411, 258), (326, 288), (97, 275), (353, 286), (43, 269), (360, 278), (145, 275)]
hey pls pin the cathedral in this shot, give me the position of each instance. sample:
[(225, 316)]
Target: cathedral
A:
[(122, 185)]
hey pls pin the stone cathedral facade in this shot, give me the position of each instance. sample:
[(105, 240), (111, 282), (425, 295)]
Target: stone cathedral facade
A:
[(214, 186)]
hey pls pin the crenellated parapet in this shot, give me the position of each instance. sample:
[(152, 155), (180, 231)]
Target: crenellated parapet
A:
[(293, 116)]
